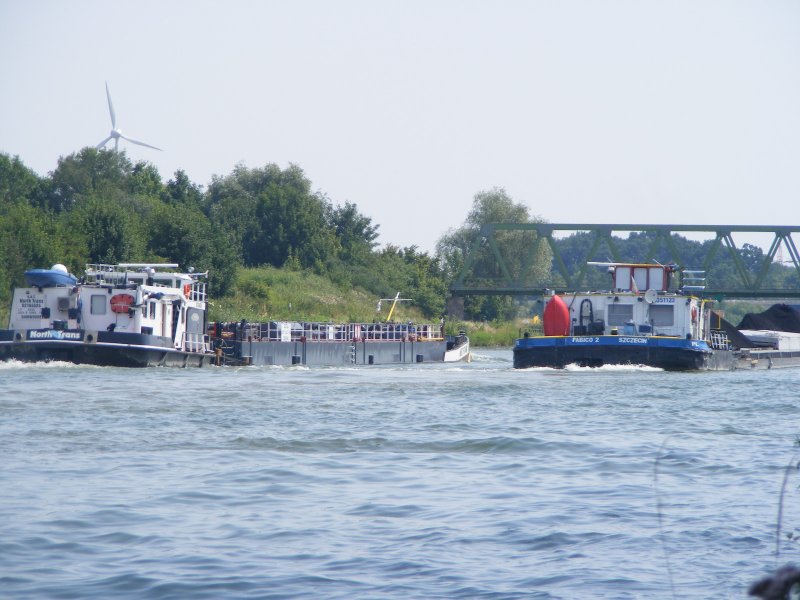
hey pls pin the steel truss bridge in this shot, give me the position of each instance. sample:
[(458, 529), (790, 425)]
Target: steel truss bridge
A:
[(519, 279)]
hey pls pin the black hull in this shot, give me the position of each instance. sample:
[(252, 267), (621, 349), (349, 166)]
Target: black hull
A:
[(105, 349), (669, 359)]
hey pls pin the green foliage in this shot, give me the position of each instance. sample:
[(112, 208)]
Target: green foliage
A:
[(268, 293), (89, 172), (307, 258), (98, 207), (271, 215), (488, 334), (181, 190), (355, 232), (453, 248), (18, 183), (111, 232)]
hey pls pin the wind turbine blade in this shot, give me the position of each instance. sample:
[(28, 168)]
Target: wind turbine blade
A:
[(111, 109), (103, 143), (133, 141)]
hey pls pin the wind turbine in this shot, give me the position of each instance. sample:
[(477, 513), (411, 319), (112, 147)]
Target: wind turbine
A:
[(116, 132)]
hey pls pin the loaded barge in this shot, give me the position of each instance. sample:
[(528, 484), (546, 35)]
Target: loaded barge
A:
[(642, 320), (144, 315)]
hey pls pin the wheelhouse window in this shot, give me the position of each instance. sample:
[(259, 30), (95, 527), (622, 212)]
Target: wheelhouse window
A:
[(619, 314), (662, 316), (152, 310), (99, 304)]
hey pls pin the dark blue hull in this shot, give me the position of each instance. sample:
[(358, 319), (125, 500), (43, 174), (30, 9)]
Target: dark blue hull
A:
[(670, 354)]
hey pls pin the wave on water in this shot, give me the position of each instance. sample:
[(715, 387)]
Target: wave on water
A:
[(576, 368), (478, 356), (489, 445), (49, 364)]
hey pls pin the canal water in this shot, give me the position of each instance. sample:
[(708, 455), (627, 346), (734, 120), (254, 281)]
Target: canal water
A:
[(424, 481)]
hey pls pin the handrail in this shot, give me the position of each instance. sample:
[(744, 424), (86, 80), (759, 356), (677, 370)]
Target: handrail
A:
[(285, 331), (195, 342)]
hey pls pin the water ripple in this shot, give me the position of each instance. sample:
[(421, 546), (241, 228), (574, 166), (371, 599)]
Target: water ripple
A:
[(476, 481)]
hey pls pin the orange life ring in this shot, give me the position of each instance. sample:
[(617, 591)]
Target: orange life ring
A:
[(694, 314), (187, 289), (121, 303)]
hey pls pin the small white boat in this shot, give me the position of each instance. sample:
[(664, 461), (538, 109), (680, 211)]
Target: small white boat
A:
[(457, 348)]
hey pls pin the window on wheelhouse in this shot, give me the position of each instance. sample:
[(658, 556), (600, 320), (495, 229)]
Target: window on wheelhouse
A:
[(152, 310), (662, 316), (98, 304), (619, 314)]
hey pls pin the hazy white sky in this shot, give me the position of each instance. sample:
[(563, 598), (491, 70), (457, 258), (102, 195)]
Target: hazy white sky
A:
[(587, 111)]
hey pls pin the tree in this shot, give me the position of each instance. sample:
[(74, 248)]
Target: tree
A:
[(272, 216), (355, 232), (182, 234), (145, 180), (181, 190), (18, 183), (453, 248), (230, 204), (88, 172), (112, 234)]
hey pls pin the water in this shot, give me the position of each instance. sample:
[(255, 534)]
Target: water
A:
[(429, 481)]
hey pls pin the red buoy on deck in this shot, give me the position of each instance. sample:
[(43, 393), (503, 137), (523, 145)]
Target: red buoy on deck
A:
[(556, 317)]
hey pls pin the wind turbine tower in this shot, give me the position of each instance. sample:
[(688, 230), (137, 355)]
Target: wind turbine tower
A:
[(116, 132)]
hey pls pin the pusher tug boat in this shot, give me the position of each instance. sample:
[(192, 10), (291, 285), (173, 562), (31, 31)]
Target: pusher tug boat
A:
[(640, 320), (126, 315)]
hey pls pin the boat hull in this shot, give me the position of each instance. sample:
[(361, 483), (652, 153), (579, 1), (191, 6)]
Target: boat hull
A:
[(96, 348), (671, 354), (332, 353)]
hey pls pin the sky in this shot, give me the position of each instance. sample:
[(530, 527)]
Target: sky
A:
[(623, 111)]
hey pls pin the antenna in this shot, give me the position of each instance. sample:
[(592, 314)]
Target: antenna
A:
[(116, 133)]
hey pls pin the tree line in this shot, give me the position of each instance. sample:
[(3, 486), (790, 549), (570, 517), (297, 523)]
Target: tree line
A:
[(97, 206)]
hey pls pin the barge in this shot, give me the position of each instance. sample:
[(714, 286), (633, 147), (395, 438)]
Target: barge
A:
[(145, 315), (642, 320), (292, 343)]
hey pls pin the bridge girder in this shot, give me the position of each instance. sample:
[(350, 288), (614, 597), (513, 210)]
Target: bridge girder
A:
[(522, 280)]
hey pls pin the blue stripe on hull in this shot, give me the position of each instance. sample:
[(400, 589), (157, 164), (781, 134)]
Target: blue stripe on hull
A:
[(673, 354)]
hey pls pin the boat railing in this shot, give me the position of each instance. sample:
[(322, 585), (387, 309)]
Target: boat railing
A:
[(104, 274), (719, 340), (693, 280), (195, 342), (128, 274), (197, 291), (276, 331)]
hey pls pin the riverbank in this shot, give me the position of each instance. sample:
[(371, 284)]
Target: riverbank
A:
[(269, 294)]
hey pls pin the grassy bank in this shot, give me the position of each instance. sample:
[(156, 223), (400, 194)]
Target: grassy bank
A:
[(492, 334), (269, 294)]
